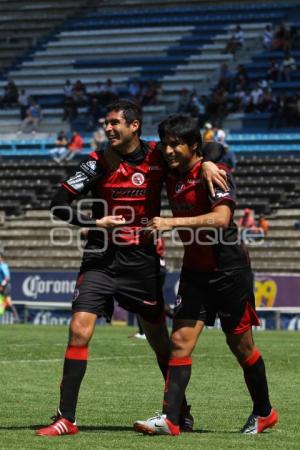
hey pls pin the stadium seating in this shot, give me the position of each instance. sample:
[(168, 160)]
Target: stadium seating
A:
[(23, 25), (29, 243), (277, 252), (267, 182), (257, 70), (180, 46)]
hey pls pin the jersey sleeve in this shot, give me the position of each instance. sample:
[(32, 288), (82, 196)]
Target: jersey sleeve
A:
[(224, 197), (88, 171)]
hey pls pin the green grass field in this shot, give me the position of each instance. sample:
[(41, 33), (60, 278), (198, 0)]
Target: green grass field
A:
[(123, 384)]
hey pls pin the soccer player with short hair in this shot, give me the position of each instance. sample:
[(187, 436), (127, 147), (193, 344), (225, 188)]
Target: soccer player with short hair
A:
[(120, 261), (216, 279)]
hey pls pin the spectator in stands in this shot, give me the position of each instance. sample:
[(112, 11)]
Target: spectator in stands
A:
[(70, 109), (34, 115), (273, 71), (217, 106), (247, 227), (99, 136), (219, 135), (267, 100), (288, 66), (107, 92), (236, 41), (150, 93), (255, 98), (60, 148), (280, 40), (79, 94), (135, 89), (277, 113), (183, 101), (5, 288), (241, 77), (68, 89), (263, 223), (263, 83), (11, 94), (225, 77), (197, 107), (95, 112), (208, 133), (229, 158), (24, 102), (97, 91), (75, 146), (247, 220), (267, 37), (239, 97)]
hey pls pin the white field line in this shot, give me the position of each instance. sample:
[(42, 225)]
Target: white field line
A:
[(55, 360), (102, 358)]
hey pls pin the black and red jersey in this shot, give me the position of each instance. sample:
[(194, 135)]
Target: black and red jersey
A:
[(133, 190), (208, 249)]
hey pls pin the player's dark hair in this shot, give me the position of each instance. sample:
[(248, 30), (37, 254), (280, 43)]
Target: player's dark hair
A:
[(131, 111), (181, 127)]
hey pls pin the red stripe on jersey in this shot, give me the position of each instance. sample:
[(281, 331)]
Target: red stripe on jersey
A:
[(255, 355), (180, 362), (74, 352), (66, 186)]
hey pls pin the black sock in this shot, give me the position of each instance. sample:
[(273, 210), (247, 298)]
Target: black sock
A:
[(179, 374), (163, 365), (73, 373), (256, 381)]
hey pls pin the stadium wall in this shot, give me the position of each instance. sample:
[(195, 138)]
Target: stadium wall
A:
[(44, 297)]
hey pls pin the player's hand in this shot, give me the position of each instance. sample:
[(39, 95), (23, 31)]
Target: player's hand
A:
[(110, 222), (159, 224), (213, 175)]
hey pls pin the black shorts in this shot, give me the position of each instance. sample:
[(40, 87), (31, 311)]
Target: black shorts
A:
[(129, 275), (227, 294)]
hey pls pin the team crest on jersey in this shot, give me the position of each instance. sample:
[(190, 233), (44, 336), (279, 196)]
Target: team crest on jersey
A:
[(76, 294), (138, 179), (179, 187)]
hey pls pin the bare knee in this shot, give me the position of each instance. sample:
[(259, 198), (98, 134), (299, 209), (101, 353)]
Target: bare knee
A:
[(81, 331), (181, 346)]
